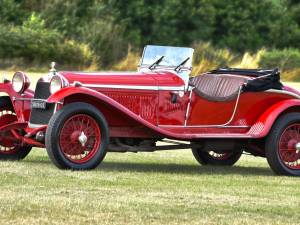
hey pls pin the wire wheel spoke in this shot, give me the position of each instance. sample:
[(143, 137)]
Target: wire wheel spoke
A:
[(289, 146), (80, 138)]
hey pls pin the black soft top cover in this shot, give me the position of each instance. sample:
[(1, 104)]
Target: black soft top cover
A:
[(262, 79)]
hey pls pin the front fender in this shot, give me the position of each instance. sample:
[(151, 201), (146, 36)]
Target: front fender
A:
[(69, 91), (265, 122), (21, 107)]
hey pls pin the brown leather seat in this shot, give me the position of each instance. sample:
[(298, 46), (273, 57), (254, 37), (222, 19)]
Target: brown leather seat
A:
[(216, 87)]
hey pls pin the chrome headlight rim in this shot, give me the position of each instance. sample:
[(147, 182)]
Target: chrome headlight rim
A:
[(57, 82), (20, 82)]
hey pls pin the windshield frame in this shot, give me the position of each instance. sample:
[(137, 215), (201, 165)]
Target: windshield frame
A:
[(189, 53)]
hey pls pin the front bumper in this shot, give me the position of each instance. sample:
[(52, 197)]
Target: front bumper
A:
[(16, 129)]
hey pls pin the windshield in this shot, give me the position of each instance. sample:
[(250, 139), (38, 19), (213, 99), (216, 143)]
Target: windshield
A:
[(171, 56)]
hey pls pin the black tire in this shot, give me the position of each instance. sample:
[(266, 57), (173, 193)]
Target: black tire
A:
[(272, 144), (206, 158), (53, 133), (19, 152)]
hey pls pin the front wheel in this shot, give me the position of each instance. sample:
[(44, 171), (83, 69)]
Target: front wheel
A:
[(77, 137), (283, 145), (216, 158), (10, 147)]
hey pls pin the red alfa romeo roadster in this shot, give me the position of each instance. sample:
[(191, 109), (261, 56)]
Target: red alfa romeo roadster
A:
[(79, 117)]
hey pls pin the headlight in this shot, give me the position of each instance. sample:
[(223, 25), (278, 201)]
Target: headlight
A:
[(20, 82), (57, 82)]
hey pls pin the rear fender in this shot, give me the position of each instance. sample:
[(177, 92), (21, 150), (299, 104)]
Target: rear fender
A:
[(265, 122)]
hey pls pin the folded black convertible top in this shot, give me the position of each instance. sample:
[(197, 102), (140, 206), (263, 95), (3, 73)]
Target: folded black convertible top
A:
[(262, 79), (248, 72)]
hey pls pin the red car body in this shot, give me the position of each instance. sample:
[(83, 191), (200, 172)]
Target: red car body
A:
[(141, 108)]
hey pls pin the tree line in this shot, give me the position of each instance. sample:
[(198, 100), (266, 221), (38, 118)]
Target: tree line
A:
[(100, 31)]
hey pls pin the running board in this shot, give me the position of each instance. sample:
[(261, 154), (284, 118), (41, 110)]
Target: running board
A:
[(127, 148)]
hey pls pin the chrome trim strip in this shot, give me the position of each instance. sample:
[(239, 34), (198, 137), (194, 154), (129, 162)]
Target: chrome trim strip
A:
[(103, 73), (33, 99), (235, 107), (133, 87), (29, 99), (283, 92), (203, 126), (187, 113)]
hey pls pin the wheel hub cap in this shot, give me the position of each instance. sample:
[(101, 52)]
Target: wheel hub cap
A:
[(298, 146), (82, 139)]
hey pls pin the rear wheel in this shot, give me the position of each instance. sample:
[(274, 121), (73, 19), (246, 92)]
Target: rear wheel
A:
[(283, 145), (10, 147), (77, 137), (216, 158)]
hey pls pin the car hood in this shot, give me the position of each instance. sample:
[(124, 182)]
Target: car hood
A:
[(124, 78)]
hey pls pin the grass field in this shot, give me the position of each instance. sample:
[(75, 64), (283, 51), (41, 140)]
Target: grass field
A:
[(146, 188)]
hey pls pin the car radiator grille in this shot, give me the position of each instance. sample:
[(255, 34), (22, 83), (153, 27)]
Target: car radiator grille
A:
[(41, 116)]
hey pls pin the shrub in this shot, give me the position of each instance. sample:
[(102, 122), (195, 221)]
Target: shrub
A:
[(286, 60), (248, 60), (207, 57), (204, 50), (292, 75), (11, 11), (38, 45), (106, 41), (129, 63)]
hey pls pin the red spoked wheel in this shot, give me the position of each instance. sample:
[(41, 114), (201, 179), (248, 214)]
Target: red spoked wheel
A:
[(80, 138), (7, 141), (217, 158), (289, 146), (77, 137), (10, 147), (283, 145)]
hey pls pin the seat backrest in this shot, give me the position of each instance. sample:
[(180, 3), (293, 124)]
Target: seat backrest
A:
[(217, 87)]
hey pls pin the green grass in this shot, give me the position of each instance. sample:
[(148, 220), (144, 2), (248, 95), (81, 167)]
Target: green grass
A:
[(146, 188)]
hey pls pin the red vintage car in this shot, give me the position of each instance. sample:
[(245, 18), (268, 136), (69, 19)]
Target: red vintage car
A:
[(79, 117)]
